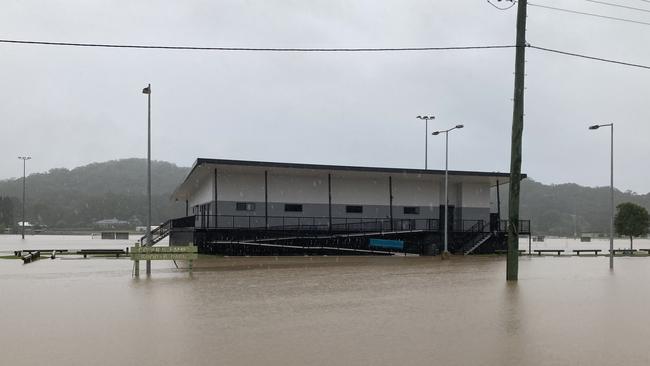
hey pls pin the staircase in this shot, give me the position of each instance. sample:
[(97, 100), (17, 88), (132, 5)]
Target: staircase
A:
[(478, 241), (158, 233)]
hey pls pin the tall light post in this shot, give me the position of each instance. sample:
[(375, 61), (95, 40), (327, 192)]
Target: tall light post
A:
[(426, 136), (611, 191), (24, 159), (147, 91), (445, 253)]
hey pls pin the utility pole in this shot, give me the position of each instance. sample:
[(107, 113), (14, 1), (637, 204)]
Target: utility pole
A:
[(147, 91), (24, 159), (512, 266)]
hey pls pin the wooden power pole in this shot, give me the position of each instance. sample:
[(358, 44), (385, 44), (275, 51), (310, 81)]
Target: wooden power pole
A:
[(512, 270)]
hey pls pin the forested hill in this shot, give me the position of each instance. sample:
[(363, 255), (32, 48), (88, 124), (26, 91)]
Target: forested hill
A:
[(561, 209), (79, 197), (76, 198)]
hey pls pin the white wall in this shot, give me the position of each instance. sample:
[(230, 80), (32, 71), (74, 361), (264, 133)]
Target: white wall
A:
[(297, 188), (347, 188), (360, 190), (415, 192), (202, 194), (454, 194), (241, 187), (476, 195)]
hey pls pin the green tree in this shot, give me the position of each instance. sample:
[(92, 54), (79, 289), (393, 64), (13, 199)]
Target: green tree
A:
[(631, 220)]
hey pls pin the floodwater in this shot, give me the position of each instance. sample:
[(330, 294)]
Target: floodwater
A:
[(324, 311)]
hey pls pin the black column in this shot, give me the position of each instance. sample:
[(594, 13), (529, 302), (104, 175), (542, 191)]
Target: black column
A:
[(216, 200), (266, 198), (329, 193), (390, 194), (187, 208)]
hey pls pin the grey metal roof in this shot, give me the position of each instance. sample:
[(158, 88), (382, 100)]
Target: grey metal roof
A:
[(201, 161)]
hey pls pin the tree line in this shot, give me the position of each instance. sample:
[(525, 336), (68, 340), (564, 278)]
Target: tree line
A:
[(62, 198)]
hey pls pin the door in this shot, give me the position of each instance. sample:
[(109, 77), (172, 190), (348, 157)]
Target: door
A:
[(450, 218)]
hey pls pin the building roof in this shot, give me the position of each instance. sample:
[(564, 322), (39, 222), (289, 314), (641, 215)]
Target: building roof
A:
[(113, 221), (201, 162)]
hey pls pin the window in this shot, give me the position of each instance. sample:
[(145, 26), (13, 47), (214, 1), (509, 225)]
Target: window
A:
[(245, 206), (411, 210), (290, 207), (354, 209)]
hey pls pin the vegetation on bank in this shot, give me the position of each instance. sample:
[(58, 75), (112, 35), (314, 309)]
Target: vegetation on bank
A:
[(569, 209), (77, 198), (632, 221)]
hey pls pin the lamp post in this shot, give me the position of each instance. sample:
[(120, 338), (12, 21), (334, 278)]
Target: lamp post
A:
[(426, 136), (147, 91), (445, 253), (611, 191), (24, 159)]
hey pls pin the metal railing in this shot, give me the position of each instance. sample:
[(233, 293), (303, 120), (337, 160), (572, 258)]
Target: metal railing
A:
[(524, 226), (346, 224)]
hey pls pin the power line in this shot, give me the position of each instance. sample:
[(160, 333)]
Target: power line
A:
[(591, 57), (618, 5), (397, 49), (256, 49), (588, 14)]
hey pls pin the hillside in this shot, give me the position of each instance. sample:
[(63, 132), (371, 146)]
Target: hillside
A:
[(81, 196), (562, 209), (76, 198)]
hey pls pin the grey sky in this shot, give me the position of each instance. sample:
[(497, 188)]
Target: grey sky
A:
[(71, 106)]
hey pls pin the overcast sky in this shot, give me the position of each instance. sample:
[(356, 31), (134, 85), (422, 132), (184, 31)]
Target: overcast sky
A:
[(68, 106)]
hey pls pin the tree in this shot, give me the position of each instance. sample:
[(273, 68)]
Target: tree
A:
[(631, 220)]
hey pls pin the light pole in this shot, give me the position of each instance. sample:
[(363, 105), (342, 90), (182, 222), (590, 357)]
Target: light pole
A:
[(426, 136), (24, 159), (445, 253), (611, 191), (147, 91)]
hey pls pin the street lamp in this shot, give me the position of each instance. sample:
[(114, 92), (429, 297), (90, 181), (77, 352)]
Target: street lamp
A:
[(426, 136), (611, 191), (147, 91), (445, 253), (24, 159)]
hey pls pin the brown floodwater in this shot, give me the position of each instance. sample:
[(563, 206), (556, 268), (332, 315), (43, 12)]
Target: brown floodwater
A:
[(326, 311)]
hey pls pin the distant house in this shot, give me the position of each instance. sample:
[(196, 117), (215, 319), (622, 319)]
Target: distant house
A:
[(111, 223)]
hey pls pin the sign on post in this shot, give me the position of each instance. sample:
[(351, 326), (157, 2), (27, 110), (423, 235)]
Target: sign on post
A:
[(164, 253)]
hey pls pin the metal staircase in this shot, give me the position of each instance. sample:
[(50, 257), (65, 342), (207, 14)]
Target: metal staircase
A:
[(478, 241), (158, 234)]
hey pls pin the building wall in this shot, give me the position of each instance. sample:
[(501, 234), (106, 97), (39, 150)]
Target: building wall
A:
[(203, 194), (310, 189)]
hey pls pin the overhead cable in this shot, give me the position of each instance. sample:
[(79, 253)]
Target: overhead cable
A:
[(618, 5), (591, 57), (257, 49), (588, 14)]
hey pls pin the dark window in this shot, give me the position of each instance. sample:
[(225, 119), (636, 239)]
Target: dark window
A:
[(411, 210), (245, 206), (354, 209), (292, 208)]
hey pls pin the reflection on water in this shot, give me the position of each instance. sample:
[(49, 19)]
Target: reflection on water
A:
[(326, 311)]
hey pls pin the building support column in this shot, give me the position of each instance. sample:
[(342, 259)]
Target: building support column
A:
[(187, 208), (266, 198), (329, 202), (498, 207), (390, 196), (216, 200)]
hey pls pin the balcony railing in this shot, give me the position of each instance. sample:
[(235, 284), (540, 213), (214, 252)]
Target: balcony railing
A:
[(337, 224), (524, 226)]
